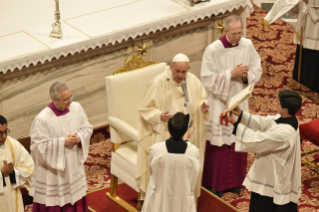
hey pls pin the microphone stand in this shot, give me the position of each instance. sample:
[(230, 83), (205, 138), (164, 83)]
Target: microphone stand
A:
[(187, 103)]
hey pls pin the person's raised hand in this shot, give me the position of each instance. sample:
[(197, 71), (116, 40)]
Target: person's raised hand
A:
[(7, 168), (204, 108), (186, 135), (231, 118), (236, 111), (165, 116)]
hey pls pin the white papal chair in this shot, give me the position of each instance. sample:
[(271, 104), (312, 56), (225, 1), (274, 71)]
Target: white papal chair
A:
[(125, 92)]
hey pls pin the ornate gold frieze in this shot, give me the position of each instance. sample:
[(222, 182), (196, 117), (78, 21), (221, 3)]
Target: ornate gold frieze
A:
[(133, 63)]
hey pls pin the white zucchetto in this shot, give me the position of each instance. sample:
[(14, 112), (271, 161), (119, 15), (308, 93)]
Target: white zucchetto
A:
[(180, 58)]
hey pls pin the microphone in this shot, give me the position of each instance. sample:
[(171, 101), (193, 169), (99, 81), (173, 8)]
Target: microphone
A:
[(183, 84), (185, 90)]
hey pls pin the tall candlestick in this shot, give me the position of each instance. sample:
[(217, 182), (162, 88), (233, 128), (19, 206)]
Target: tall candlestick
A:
[(57, 31)]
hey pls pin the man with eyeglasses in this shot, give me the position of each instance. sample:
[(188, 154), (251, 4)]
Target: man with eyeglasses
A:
[(16, 166), (60, 137), (229, 65)]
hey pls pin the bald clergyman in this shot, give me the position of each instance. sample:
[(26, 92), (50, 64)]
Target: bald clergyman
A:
[(164, 96)]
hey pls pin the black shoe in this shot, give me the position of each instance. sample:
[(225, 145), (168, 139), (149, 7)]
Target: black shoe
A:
[(234, 190), (217, 193)]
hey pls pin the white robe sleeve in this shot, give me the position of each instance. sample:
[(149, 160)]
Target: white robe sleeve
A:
[(214, 80), (255, 70), (148, 110), (85, 131), (202, 99), (280, 8), (249, 140), (44, 147), (313, 10), (1, 183), (313, 3), (21, 179), (150, 158), (24, 166), (256, 122)]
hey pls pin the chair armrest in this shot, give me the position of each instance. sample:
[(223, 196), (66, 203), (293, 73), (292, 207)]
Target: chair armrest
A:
[(123, 127)]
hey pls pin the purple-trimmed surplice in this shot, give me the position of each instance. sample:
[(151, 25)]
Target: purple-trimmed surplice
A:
[(57, 111), (79, 206), (223, 167), (226, 43)]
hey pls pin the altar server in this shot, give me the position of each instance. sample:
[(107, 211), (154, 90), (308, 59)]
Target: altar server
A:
[(275, 176), (60, 137), (165, 96), (16, 166), (229, 65), (174, 166)]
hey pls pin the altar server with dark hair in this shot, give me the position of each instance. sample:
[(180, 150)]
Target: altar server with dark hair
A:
[(174, 167), (274, 179)]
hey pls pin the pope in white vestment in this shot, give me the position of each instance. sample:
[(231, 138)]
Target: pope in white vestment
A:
[(13, 153), (164, 96), (60, 137)]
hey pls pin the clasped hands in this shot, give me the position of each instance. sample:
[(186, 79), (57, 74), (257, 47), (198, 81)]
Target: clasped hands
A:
[(7, 168), (71, 140), (240, 71), (165, 116)]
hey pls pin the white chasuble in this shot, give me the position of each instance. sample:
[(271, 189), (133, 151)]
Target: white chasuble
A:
[(10, 195), (217, 64), (59, 177), (173, 180), (164, 94), (276, 171)]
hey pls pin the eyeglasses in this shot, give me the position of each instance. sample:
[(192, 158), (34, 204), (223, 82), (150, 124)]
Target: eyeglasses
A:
[(66, 101), (7, 131), (238, 33)]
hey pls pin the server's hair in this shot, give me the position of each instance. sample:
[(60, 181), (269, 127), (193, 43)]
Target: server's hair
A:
[(3, 120), (232, 18), (290, 100), (177, 125), (56, 88)]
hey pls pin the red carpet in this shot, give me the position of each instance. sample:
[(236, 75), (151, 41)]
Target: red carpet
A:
[(98, 202)]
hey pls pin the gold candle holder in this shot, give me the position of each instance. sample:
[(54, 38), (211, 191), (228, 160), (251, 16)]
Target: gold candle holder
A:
[(57, 31)]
